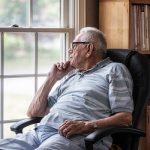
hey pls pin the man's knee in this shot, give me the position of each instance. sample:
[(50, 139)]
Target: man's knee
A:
[(58, 142)]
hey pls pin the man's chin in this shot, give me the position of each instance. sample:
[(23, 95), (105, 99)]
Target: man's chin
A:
[(72, 65)]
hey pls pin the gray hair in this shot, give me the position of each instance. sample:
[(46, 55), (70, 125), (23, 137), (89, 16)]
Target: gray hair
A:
[(96, 37)]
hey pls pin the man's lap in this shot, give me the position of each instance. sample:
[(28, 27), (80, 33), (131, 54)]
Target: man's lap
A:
[(58, 142), (30, 141)]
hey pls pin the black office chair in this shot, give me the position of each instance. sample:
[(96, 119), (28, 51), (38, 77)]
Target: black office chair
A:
[(125, 137)]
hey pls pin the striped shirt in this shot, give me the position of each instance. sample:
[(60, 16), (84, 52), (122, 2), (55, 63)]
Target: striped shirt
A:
[(93, 94)]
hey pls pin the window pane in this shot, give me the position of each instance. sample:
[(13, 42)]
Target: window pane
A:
[(49, 50), (13, 12), (46, 13), (7, 131), (19, 51), (18, 93), (41, 81)]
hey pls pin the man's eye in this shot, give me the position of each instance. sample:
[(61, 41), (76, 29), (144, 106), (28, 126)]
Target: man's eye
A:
[(74, 46)]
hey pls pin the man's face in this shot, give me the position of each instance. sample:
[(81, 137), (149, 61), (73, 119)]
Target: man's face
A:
[(77, 53)]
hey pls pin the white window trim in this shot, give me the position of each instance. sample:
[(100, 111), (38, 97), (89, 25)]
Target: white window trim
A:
[(80, 15)]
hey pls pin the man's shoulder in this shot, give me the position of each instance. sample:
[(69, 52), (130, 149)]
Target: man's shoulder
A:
[(116, 65), (117, 68)]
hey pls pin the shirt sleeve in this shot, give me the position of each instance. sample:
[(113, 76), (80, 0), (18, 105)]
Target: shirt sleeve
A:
[(120, 89), (53, 95)]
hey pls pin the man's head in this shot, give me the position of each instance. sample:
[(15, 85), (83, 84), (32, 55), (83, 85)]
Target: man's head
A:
[(95, 36), (88, 48)]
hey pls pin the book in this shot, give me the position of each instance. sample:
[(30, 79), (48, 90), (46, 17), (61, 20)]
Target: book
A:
[(141, 24)]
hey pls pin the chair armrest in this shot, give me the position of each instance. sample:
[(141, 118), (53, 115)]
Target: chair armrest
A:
[(100, 133), (18, 126)]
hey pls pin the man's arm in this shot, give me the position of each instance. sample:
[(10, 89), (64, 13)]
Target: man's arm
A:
[(121, 118), (69, 128), (39, 104)]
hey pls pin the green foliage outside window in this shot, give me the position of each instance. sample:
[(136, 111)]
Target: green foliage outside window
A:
[(45, 13)]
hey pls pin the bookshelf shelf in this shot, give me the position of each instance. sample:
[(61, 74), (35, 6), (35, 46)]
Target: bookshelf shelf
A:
[(139, 1)]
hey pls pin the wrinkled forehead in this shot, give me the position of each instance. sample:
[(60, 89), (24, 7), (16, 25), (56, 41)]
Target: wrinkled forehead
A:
[(78, 38)]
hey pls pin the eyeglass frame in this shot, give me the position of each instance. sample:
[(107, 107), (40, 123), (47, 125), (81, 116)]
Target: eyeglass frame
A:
[(77, 43)]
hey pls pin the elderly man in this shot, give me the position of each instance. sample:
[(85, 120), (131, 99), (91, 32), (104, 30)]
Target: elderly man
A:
[(94, 92)]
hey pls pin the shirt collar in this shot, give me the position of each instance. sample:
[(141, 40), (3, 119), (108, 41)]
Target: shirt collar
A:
[(99, 65)]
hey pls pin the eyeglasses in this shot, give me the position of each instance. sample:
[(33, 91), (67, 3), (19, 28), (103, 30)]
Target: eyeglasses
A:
[(75, 44)]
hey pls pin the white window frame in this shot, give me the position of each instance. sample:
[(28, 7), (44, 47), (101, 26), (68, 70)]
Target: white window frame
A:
[(80, 15)]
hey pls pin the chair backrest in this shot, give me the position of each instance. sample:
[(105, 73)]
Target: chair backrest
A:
[(139, 67)]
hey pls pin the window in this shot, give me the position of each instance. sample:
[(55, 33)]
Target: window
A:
[(34, 34)]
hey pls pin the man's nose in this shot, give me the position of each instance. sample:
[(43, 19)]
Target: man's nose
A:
[(70, 50)]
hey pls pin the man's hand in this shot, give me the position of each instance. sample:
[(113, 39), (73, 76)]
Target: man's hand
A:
[(59, 70), (69, 128)]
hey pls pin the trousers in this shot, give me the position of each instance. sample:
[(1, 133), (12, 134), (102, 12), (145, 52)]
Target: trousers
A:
[(45, 139)]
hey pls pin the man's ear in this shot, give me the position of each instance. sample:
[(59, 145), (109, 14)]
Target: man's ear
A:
[(90, 48)]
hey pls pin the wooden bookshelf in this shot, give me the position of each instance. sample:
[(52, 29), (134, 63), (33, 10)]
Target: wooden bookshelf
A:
[(116, 20)]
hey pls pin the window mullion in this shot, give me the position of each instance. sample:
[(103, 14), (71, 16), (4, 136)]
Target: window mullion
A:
[(64, 13), (71, 13), (30, 13), (2, 88), (36, 61), (80, 15)]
